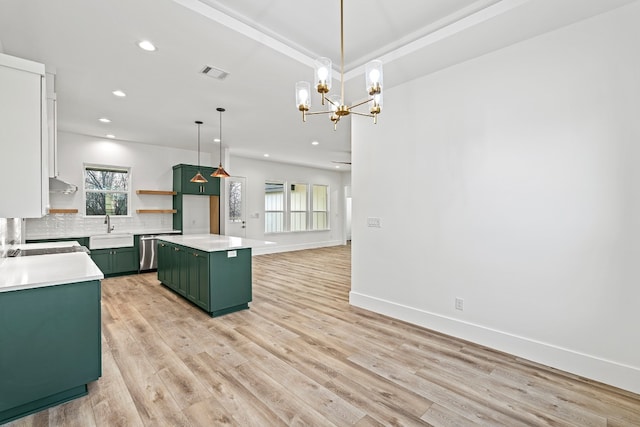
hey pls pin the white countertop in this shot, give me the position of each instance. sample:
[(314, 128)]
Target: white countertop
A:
[(215, 242), (38, 271)]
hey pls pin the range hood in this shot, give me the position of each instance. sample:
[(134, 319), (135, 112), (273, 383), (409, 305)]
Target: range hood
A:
[(59, 186)]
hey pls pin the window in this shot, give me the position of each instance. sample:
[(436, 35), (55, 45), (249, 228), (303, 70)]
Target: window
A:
[(106, 190), (235, 201), (320, 205), (298, 207), (273, 207), (295, 207)]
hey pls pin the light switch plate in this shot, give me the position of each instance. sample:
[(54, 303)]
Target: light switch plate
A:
[(373, 222)]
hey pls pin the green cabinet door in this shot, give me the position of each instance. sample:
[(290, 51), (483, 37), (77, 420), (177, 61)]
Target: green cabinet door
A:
[(164, 260), (116, 261), (202, 263), (192, 284), (189, 187), (198, 283), (124, 260), (212, 186), (179, 269), (183, 269), (102, 258)]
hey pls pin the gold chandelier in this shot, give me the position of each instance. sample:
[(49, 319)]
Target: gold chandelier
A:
[(337, 107)]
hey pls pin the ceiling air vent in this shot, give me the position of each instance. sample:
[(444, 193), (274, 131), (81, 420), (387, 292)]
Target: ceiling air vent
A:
[(214, 72)]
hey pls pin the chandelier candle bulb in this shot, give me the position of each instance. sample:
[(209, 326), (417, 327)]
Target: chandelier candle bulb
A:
[(303, 98), (322, 68), (373, 75)]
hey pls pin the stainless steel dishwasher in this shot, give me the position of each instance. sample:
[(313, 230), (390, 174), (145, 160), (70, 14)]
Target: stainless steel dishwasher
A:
[(149, 252)]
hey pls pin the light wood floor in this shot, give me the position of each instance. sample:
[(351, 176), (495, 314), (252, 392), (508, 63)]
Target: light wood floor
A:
[(302, 356)]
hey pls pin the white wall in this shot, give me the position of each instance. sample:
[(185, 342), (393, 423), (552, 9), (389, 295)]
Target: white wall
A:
[(517, 188), (258, 172), (151, 169)]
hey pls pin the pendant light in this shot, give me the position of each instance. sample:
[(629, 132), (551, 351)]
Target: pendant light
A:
[(198, 177), (220, 172)]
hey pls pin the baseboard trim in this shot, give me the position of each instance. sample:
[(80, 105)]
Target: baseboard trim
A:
[(588, 366), (273, 249)]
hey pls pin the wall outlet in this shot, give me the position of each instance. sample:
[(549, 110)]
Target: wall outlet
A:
[(459, 304)]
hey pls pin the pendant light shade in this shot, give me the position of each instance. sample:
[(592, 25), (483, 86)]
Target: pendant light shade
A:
[(220, 172), (198, 176)]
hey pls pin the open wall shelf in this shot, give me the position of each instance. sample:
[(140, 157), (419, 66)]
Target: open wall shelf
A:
[(156, 211), (63, 211), (157, 192)]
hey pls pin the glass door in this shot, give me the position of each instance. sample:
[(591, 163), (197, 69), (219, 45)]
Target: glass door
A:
[(236, 205)]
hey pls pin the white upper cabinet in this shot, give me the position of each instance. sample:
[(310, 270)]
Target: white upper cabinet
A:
[(52, 124), (24, 176)]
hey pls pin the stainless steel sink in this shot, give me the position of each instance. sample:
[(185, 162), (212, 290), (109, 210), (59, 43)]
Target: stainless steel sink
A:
[(111, 240)]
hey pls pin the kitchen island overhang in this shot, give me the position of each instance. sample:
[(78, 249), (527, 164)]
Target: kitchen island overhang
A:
[(210, 270)]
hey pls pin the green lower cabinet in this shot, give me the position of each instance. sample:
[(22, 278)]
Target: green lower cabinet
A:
[(116, 261), (217, 282), (50, 346)]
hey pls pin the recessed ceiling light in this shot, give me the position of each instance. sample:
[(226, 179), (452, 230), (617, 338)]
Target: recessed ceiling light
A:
[(266, 155), (216, 140), (337, 167), (315, 143), (147, 45), (119, 93), (110, 136), (104, 120)]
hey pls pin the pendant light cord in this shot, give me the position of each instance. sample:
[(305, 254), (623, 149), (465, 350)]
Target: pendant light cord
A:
[(220, 138), (341, 52), (198, 146)]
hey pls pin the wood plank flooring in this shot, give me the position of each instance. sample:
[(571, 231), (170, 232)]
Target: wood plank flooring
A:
[(302, 356)]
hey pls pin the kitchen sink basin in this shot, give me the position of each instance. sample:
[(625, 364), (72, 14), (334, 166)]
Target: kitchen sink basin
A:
[(111, 240)]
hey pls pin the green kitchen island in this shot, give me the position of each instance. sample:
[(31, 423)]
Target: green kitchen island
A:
[(210, 270)]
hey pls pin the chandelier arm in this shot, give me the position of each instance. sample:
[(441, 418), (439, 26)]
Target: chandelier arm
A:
[(331, 102), (318, 112), (362, 114), (359, 104)]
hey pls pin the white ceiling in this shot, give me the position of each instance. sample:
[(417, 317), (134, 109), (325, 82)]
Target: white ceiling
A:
[(266, 46)]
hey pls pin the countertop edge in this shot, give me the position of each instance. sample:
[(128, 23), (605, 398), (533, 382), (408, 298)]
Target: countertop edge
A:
[(51, 283)]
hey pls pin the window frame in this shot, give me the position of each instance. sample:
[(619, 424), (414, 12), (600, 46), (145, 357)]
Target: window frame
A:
[(112, 168), (287, 211), (290, 212), (313, 209), (284, 206)]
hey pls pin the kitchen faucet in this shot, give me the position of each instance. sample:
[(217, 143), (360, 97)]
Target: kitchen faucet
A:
[(107, 220)]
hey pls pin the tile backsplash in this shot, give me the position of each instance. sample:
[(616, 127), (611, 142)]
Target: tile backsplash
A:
[(75, 225)]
